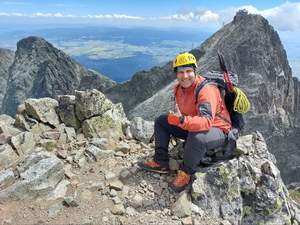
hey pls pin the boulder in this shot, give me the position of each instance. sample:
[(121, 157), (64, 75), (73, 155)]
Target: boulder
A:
[(43, 110), (90, 103), (141, 129), (7, 178), (103, 127), (23, 143), (245, 190), (39, 175), (66, 110), (6, 120), (8, 157)]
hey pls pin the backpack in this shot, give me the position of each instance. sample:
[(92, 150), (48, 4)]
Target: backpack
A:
[(216, 78)]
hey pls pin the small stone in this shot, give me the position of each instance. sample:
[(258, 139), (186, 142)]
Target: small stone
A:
[(182, 207), (63, 154), (225, 222), (86, 195), (117, 200), (55, 209), (119, 154), (187, 221), (110, 175), (105, 219), (130, 211), (113, 193), (70, 202), (124, 174), (123, 147), (116, 184), (118, 209), (137, 201)]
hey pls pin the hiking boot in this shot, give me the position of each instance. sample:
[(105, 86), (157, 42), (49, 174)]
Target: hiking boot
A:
[(181, 181), (153, 166)]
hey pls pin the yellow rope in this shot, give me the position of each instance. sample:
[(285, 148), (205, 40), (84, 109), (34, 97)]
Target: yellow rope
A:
[(241, 103)]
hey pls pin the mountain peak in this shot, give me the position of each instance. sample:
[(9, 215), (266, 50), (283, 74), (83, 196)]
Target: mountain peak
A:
[(32, 42)]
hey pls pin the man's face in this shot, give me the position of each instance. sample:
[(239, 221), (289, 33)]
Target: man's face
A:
[(186, 77)]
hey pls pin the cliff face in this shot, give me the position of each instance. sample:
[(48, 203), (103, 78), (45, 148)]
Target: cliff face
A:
[(6, 60), (41, 70)]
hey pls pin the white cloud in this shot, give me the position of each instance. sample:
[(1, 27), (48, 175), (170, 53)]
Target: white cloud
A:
[(201, 16), (60, 15), (16, 3)]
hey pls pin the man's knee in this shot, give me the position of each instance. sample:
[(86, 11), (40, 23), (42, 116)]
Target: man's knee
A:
[(161, 120), (198, 138)]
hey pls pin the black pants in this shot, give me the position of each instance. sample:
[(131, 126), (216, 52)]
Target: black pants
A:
[(197, 143)]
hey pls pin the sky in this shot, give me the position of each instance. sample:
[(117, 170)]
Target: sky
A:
[(284, 15), (206, 15)]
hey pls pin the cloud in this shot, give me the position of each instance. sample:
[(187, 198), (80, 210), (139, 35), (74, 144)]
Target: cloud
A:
[(60, 15), (16, 3), (201, 16)]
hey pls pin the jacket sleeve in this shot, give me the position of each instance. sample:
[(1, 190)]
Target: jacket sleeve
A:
[(207, 106)]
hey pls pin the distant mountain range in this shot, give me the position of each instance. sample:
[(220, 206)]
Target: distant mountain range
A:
[(116, 52)]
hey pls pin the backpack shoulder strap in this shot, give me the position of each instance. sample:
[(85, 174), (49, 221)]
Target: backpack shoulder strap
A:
[(201, 86)]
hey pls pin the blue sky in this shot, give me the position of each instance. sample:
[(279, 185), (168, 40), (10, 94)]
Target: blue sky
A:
[(283, 15)]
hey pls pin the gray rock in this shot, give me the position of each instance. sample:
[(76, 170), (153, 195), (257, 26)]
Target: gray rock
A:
[(9, 130), (43, 109), (39, 175), (66, 110), (118, 209), (54, 209), (70, 134), (102, 127), (96, 153), (142, 130), (90, 103), (70, 202), (20, 122), (123, 147), (8, 157), (7, 178), (60, 191), (101, 143), (6, 60), (116, 184), (48, 144), (182, 207), (6, 119), (247, 190), (24, 142)]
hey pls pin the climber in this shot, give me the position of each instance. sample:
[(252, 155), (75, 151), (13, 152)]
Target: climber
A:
[(202, 121)]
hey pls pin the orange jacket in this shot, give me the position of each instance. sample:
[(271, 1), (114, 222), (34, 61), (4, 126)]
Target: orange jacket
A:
[(208, 111)]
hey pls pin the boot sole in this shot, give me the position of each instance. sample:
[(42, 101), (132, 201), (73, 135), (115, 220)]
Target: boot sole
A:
[(154, 170)]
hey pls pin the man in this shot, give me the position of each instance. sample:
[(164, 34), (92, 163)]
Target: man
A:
[(202, 121)]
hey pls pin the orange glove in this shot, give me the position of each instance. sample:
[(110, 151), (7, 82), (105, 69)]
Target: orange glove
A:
[(174, 119)]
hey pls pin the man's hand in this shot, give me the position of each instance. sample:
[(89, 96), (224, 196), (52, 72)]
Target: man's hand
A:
[(174, 119)]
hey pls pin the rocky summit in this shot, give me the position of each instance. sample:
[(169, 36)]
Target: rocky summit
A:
[(41, 70), (82, 168)]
